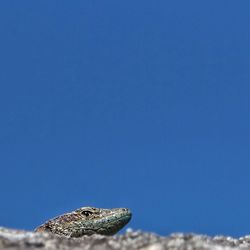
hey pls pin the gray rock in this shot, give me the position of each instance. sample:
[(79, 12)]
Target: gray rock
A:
[(19, 240)]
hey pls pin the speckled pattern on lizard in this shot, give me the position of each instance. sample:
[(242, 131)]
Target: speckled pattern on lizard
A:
[(88, 221)]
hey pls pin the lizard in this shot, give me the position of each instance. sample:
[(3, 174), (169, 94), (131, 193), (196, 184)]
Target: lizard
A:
[(87, 221)]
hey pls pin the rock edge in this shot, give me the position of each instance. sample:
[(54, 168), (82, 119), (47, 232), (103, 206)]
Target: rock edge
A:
[(19, 240)]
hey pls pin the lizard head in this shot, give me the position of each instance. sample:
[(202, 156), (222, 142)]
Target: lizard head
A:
[(87, 221)]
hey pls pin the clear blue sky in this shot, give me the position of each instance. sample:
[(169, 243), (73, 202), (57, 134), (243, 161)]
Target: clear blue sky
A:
[(139, 104)]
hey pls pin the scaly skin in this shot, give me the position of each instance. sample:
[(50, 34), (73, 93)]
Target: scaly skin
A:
[(87, 221)]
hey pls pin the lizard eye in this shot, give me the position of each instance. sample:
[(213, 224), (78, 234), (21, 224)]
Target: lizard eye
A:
[(87, 213)]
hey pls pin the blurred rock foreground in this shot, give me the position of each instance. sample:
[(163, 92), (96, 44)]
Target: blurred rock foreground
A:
[(17, 239)]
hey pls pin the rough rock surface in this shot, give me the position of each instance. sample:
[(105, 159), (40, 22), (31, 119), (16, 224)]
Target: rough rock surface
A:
[(17, 239)]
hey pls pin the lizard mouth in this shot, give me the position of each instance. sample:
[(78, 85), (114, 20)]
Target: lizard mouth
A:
[(108, 226), (113, 224), (124, 219)]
